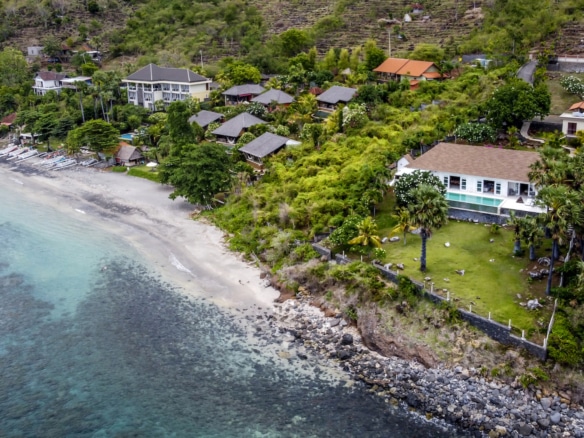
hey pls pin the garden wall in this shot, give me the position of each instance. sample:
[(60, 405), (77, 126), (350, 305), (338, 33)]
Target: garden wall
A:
[(476, 216), (499, 332)]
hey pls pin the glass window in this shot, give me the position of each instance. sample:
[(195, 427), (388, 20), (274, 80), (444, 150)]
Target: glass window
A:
[(445, 181), (463, 184), (479, 186), (572, 127), (497, 188)]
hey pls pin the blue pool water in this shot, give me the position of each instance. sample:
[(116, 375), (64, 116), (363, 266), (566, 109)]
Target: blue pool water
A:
[(471, 199), (94, 343), (127, 137)]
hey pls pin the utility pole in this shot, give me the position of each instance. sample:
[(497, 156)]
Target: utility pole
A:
[(201, 52)]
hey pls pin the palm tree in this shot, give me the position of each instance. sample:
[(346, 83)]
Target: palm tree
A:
[(531, 234), (517, 224), (564, 208), (404, 222), (428, 211), (367, 234)]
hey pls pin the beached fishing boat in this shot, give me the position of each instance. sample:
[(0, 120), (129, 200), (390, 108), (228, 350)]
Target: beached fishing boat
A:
[(27, 155), (14, 154), (69, 162), (8, 149)]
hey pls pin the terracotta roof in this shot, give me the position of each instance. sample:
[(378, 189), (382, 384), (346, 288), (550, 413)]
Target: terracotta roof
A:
[(391, 65), (432, 75), (154, 73), (415, 68), (579, 105), (477, 161), (8, 120)]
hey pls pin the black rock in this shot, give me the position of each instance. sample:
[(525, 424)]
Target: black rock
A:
[(347, 339)]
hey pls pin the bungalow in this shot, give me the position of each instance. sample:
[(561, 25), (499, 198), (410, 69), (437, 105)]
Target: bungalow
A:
[(204, 118), (573, 120), (335, 95), (153, 83), (242, 93), (415, 71), (479, 178), (230, 131), (263, 146), (8, 120), (274, 97), (45, 81), (128, 155)]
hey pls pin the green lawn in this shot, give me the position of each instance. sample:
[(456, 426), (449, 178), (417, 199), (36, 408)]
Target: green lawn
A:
[(561, 100), (146, 172), (492, 286)]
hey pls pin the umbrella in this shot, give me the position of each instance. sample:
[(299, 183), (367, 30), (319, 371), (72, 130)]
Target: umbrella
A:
[(152, 164)]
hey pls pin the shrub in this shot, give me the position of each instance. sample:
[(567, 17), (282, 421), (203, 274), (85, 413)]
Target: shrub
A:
[(119, 169), (562, 345), (406, 183), (143, 173), (572, 85), (476, 132), (533, 376), (304, 252)]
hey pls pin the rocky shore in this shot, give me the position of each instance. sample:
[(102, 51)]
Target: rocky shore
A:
[(475, 405)]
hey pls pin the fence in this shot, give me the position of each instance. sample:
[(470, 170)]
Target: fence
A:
[(497, 331)]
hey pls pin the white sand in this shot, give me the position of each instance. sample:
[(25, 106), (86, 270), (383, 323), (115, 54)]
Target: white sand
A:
[(190, 254)]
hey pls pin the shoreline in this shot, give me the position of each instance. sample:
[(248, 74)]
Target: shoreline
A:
[(142, 213)]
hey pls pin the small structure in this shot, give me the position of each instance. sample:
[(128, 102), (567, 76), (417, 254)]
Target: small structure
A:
[(274, 97), (242, 93), (415, 71), (8, 120), (45, 81), (263, 146), (204, 118), (128, 155), (73, 83), (230, 131), (334, 96), (573, 120), (34, 51)]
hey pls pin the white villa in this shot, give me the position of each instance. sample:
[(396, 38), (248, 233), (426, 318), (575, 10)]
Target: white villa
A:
[(45, 81), (153, 83), (573, 120), (479, 178)]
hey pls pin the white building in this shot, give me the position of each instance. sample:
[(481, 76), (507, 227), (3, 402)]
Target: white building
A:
[(480, 178), (153, 83), (45, 81), (573, 120)]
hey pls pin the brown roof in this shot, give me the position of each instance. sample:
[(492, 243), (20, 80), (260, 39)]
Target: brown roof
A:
[(482, 161), (579, 105), (432, 75), (51, 75), (128, 153), (415, 68), (8, 120), (391, 65)]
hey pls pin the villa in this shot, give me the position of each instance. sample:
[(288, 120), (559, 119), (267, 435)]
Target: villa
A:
[(204, 118), (415, 71), (573, 120), (45, 81), (242, 93), (334, 96), (481, 182), (257, 150), (274, 97), (153, 83), (229, 132)]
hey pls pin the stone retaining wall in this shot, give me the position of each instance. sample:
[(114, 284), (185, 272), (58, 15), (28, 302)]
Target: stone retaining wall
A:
[(499, 332)]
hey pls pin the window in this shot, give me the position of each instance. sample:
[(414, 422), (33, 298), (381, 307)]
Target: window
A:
[(572, 128), (479, 186), (166, 97), (497, 188), (132, 95), (184, 88), (463, 184), (165, 87), (445, 181)]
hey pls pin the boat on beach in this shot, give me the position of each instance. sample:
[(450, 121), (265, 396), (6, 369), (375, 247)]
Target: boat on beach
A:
[(15, 153), (27, 155), (8, 149)]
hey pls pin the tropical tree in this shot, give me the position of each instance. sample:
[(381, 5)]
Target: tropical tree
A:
[(368, 236), (428, 211), (96, 134), (517, 224), (531, 234), (563, 209), (13, 68), (406, 183), (404, 222)]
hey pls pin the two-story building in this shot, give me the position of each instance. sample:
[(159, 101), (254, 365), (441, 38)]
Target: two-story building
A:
[(573, 120), (45, 81), (153, 83)]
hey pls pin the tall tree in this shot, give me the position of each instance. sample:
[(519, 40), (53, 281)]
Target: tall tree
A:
[(564, 209), (179, 129), (96, 134), (428, 211), (13, 68), (531, 233)]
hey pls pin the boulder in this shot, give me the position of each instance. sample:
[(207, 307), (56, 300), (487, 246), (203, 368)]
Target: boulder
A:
[(347, 339), (460, 271), (400, 266), (555, 418)]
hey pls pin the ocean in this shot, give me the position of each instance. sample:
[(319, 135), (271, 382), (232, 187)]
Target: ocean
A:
[(94, 342)]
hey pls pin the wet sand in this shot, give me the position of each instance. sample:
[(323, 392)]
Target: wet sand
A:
[(188, 253)]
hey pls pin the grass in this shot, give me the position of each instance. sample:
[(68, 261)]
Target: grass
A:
[(489, 286), (561, 99), (145, 172)]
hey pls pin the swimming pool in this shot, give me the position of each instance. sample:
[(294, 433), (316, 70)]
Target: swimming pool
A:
[(127, 137), (471, 202)]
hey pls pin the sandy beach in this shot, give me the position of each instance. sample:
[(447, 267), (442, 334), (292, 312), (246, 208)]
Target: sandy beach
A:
[(140, 212)]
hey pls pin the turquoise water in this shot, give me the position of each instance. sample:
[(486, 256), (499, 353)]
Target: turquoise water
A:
[(471, 199), (127, 137), (93, 343)]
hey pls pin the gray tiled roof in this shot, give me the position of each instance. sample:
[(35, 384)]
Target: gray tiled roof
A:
[(51, 75), (273, 95), (336, 94), (204, 118), (233, 127), (265, 144), (244, 90), (127, 153), (154, 73), (482, 161)]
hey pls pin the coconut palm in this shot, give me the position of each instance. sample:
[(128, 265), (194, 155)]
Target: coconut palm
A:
[(368, 236), (404, 222), (564, 208), (429, 210), (531, 234), (517, 224)]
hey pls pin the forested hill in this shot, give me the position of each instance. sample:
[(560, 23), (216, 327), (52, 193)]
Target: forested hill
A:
[(178, 32)]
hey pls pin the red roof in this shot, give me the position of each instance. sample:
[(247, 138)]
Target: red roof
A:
[(415, 68), (8, 120), (432, 75), (579, 105), (391, 65)]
